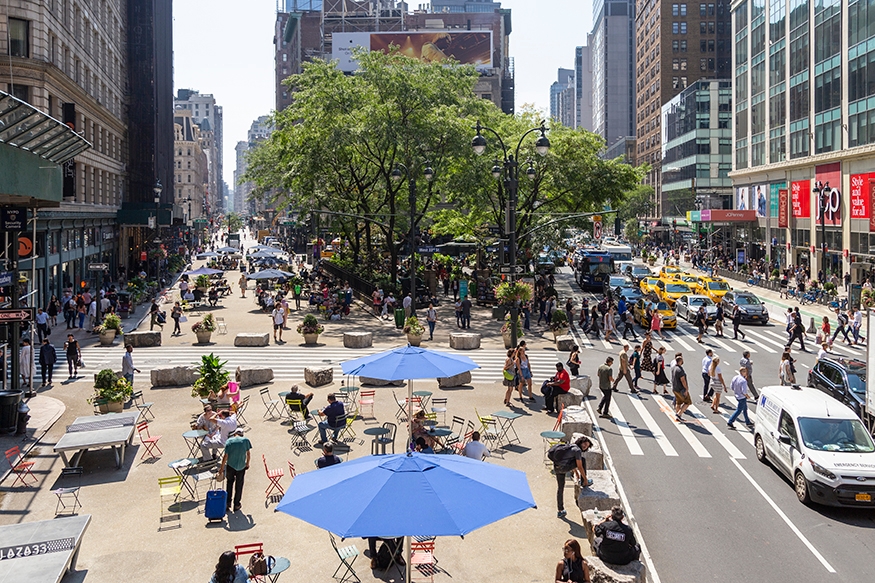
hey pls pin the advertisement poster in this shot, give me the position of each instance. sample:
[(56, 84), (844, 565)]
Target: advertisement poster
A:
[(742, 198), (468, 48), (800, 195), (861, 205), (774, 198), (783, 208), (829, 204), (760, 194), (872, 205)]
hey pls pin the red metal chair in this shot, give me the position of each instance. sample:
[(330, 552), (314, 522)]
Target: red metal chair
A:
[(366, 399), (559, 417), (250, 549), (422, 560), (20, 468), (150, 442), (274, 476)]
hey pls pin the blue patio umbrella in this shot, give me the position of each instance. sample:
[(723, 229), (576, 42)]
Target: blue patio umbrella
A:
[(270, 274), (407, 495), (227, 250), (264, 255), (207, 254), (266, 248), (203, 271)]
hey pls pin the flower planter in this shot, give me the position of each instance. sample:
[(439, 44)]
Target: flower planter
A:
[(508, 342), (107, 337), (112, 407), (414, 339), (559, 332), (310, 338), (203, 337)]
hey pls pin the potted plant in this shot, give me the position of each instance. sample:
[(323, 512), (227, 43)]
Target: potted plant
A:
[(204, 329), (651, 259), (110, 392), (509, 293), (506, 330), (558, 324), (202, 282), (414, 331), (213, 376), (310, 328), (112, 326), (867, 298)]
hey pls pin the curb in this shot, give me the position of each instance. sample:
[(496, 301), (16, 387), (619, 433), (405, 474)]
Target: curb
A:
[(36, 440)]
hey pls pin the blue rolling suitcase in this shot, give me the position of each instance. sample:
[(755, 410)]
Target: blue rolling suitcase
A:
[(216, 505)]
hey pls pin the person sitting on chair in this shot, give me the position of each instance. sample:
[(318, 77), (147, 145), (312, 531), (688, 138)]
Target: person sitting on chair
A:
[(334, 418), (213, 296), (328, 458), (296, 395), (422, 446), (475, 449)]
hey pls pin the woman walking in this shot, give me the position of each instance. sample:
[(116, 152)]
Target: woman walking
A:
[(718, 322), (635, 363), (53, 309), (594, 322), (242, 283), (431, 318), (660, 378), (647, 356), (717, 384), (509, 370), (71, 349), (525, 368), (574, 360), (656, 324), (176, 314), (610, 325), (785, 372)]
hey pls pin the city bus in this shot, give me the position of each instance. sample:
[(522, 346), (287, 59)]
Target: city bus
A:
[(618, 252), (593, 269)]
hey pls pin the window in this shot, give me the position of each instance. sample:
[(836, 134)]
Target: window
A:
[(683, 46), (19, 41), (674, 46), (703, 27), (683, 28), (21, 92), (702, 10), (675, 27), (683, 64), (675, 9), (285, 57), (683, 9), (703, 64), (675, 64)]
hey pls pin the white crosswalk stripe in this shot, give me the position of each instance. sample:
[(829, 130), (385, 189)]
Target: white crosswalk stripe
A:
[(765, 338), (626, 431), (712, 429), (652, 426), (685, 431), (676, 336)]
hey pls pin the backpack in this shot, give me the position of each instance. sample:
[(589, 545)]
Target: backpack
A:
[(260, 564), (563, 457)]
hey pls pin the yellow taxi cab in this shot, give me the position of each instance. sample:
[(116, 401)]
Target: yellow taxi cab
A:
[(639, 311), (649, 284), (668, 271), (713, 287), (672, 290), (690, 280)]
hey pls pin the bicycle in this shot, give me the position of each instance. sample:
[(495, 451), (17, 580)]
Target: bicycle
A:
[(839, 304)]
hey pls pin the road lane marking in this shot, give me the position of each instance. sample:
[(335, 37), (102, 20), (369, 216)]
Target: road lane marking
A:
[(718, 435), (780, 345), (652, 426), (785, 518), (744, 346), (626, 431), (677, 336), (723, 345), (685, 431), (652, 575), (743, 430)]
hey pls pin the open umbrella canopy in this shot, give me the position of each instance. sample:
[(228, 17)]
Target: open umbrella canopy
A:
[(407, 495), (207, 254), (203, 271), (270, 274), (268, 248), (409, 362), (264, 254), (227, 250)]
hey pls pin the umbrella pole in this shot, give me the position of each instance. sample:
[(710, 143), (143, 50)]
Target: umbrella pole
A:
[(409, 413), (407, 551)]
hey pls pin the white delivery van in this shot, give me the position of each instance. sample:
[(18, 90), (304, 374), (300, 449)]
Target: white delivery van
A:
[(818, 443)]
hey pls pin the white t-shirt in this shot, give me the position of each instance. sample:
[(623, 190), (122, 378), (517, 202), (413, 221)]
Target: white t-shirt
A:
[(858, 318), (706, 365), (821, 354), (476, 450), (278, 316)]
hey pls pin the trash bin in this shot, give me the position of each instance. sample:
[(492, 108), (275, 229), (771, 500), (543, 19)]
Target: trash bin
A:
[(399, 317), (9, 410)]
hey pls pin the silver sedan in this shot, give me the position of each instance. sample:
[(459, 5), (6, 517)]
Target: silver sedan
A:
[(687, 306)]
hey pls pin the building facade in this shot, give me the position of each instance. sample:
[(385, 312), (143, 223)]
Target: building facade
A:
[(804, 114), (192, 168), (583, 88), (612, 42), (209, 118), (676, 44), (562, 98)]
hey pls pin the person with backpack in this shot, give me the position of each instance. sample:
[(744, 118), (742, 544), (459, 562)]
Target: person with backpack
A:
[(841, 328), (568, 457), (614, 540)]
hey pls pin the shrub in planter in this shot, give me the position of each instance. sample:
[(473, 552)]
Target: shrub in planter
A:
[(558, 321), (412, 326), (213, 376), (110, 388), (310, 325), (506, 328), (508, 293), (110, 322), (207, 324)]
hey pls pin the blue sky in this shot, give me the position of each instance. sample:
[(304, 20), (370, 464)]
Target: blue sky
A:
[(225, 48)]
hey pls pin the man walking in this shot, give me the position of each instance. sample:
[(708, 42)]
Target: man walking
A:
[(47, 359), (680, 388), (856, 324), (798, 330), (128, 368), (571, 460), (235, 462), (42, 324), (606, 380), (736, 323), (466, 313), (624, 371), (407, 304), (706, 375), (747, 364), (278, 316), (739, 387), (628, 324)]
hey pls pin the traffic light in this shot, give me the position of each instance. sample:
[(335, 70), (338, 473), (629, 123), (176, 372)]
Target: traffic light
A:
[(617, 226)]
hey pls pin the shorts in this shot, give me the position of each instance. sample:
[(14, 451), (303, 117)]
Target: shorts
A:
[(527, 374), (682, 398), (277, 326)]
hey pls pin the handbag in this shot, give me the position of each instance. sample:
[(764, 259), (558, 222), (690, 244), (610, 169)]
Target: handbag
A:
[(508, 376), (183, 319), (80, 364)]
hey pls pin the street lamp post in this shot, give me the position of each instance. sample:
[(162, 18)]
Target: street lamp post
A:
[(822, 190), (511, 185), (156, 190), (428, 173)]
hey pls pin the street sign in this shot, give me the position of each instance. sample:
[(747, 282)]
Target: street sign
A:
[(427, 249), (517, 269), (16, 315), (495, 230), (5, 278), (597, 230), (98, 266)]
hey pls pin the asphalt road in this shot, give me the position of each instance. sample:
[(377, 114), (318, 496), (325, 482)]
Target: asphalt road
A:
[(708, 510)]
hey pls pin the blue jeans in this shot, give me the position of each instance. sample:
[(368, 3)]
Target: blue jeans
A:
[(739, 410), (323, 430), (431, 326), (129, 377)]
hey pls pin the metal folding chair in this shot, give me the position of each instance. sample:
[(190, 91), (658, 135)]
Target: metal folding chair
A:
[(208, 477), (297, 412), (460, 445), (439, 407), (488, 427), (347, 433), (150, 442), (299, 431), (141, 404), (274, 476), (457, 427), (366, 399), (381, 441), (21, 468), (273, 407), (241, 408), (69, 494), (422, 560), (347, 556), (169, 488), (220, 325)]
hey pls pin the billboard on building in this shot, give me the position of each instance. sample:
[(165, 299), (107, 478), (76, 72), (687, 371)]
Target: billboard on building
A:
[(829, 204), (783, 208), (466, 47), (800, 193), (861, 202), (760, 200), (742, 198)]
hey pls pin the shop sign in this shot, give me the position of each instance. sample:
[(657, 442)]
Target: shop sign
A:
[(829, 206), (25, 247), (731, 216), (860, 196), (783, 208), (800, 195), (871, 205), (706, 215)]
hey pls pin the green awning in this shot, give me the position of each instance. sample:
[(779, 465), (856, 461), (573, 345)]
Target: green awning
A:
[(291, 26)]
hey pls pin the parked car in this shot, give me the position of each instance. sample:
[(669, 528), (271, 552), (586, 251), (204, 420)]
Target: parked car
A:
[(687, 306), (752, 309), (843, 379), (630, 292), (713, 287), (640, 271)]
